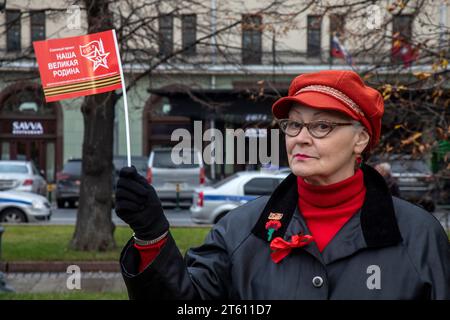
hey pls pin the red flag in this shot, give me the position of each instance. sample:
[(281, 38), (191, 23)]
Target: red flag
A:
[(339, 51), (405, 51), (78, 66)]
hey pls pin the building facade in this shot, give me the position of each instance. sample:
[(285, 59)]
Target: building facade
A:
[(228, 80)]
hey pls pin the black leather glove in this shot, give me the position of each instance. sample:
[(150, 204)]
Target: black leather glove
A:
[(138, 205)]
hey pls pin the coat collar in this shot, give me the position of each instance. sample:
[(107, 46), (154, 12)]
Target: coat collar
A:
[(377, 218)]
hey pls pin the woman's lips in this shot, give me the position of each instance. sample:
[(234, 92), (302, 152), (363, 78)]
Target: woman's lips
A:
[(301, 156)]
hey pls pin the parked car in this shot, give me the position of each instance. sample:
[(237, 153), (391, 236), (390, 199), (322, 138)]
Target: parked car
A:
[(68, 184), (284, 170), (165, 175), (415, 179), (20, 206), (210, 204), (21, 175), (140, 162)]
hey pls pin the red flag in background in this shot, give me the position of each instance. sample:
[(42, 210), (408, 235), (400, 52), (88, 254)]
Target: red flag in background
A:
[(78, 66), (403, 50), (338, 50)]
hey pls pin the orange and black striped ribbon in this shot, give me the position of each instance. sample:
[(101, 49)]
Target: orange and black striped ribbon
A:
[(80, 86)]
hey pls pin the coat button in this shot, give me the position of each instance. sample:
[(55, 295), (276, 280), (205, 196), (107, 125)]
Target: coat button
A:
[(317, 282)]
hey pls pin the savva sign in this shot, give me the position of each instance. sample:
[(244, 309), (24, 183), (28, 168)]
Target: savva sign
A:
[(27, 127)]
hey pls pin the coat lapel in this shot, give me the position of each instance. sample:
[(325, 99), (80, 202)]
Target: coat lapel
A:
[(378, 221), (283, 200)]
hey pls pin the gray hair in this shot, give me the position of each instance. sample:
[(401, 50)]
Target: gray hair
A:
[(358, 125)]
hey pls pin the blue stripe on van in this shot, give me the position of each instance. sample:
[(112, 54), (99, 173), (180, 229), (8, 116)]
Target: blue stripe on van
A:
[(216, 197), (15, 201)]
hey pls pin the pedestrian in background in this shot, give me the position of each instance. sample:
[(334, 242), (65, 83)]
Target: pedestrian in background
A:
[(384, 168)]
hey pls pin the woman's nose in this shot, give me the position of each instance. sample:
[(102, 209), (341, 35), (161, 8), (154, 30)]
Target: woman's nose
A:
[(303, 137)]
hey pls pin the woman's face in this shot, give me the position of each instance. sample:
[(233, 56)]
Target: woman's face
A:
[(327, 160)]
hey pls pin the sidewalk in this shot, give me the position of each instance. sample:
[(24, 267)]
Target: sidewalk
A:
[(57, 282), (58, 266), (52, 276)]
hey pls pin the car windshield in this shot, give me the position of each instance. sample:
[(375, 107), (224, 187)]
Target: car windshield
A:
[(73, 167), (13, 168), (141, 166), (163, 159), (410, 166), (139, 163), (224, 181)]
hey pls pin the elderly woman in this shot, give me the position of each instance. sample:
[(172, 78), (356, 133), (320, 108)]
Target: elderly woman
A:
[(330, 230)]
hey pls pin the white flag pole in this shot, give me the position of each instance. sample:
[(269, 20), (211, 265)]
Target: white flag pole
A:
[(125, 102)]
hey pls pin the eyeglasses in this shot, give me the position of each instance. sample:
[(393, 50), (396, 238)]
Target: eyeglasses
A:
[(318, 129)]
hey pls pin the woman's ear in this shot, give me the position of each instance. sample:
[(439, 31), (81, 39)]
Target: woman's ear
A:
[(362, 141)]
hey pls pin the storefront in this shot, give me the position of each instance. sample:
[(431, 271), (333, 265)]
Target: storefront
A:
[(30, 129)]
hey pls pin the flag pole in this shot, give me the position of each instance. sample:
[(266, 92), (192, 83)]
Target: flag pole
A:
[(125, 102)]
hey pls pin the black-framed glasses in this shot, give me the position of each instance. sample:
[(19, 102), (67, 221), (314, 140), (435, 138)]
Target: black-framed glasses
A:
[(318, 129)]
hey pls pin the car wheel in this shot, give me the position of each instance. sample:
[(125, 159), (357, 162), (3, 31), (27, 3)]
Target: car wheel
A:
[(220, 216), (13, 215), (73, 204), (61, 203)]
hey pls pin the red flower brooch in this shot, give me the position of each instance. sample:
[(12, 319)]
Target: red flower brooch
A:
[(273, 224), (271, 227)]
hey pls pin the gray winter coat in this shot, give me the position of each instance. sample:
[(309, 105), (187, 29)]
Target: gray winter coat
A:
[(390, 249)]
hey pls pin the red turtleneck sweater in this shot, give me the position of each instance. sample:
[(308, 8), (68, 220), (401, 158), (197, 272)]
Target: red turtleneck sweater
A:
[(327, 208)]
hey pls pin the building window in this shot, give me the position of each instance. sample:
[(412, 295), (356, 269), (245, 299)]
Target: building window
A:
[(314, 36), (165, 35), (402, 25), (401, 34), (37, 22), (251, 39), (13, 36), (189, 33), (26, 102)]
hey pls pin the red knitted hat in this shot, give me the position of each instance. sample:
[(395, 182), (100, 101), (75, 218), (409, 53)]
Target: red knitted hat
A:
[(343, 91)]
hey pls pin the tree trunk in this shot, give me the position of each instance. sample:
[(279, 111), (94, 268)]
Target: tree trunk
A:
[(94, 228)]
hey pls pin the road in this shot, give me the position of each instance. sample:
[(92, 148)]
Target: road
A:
[(68, 217), (183, 217)]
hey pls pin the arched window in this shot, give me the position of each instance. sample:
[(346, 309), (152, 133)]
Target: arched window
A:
[(26, 102)]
